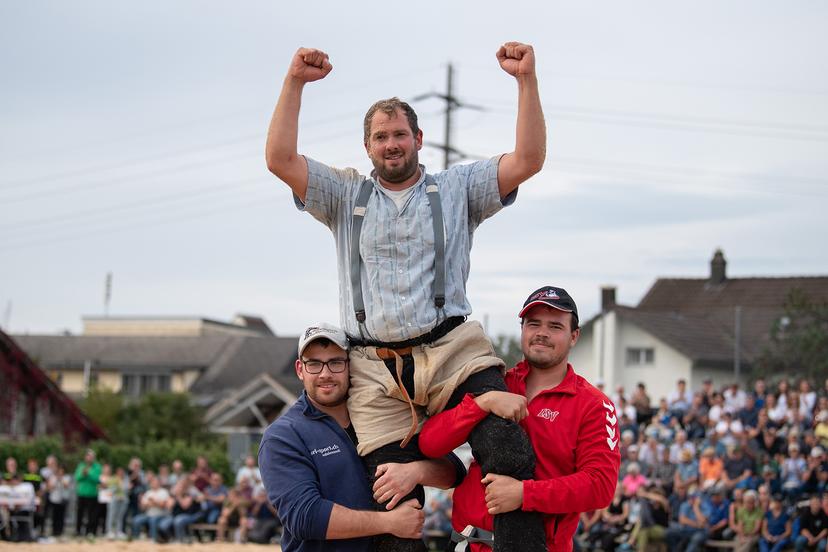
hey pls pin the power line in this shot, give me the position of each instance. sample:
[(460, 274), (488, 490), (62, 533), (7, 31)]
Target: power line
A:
[(692, 124), (190, 195)]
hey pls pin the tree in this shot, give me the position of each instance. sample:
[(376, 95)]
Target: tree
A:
[(104, 407), (798, 340), (155, 417), (507, 347)]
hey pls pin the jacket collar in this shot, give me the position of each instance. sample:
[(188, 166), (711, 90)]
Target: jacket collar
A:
[(568, 385)]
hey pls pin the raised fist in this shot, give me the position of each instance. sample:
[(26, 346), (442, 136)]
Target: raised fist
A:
[(309, 64), (517, 59)]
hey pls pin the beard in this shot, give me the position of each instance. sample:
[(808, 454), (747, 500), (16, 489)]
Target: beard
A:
[(547, 359), (395, 175)]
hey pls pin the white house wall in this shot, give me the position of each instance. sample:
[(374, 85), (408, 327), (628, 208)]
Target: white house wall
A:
[(660, 378)]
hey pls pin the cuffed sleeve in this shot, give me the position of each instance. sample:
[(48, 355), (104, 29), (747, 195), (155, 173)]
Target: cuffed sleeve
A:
[(444, 432)]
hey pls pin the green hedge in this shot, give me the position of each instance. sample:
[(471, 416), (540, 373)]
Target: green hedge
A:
[(152, 454)]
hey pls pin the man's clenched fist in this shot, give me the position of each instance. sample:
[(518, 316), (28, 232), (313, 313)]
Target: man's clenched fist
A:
[(517, 59), (309, 64)]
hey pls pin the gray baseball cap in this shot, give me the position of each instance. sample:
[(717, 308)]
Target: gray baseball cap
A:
[(320, 330)]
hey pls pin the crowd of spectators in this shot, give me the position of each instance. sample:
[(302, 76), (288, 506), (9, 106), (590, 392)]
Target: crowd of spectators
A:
[(128, 502), (729, 468)]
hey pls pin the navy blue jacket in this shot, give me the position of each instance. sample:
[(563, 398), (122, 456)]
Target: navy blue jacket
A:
[(308, 463)]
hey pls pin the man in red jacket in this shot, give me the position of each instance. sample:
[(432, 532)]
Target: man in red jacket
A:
[(573, 428)]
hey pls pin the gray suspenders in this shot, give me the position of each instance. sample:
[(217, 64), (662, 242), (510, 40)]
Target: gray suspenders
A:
[(360, 208)]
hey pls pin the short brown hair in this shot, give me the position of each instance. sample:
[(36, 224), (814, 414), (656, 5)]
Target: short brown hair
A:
[(390, 107)]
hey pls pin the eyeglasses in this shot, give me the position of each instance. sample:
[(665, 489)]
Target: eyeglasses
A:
[(336, 365)]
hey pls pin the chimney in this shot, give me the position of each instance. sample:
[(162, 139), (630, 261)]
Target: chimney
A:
[(607, 298), (717, 268)]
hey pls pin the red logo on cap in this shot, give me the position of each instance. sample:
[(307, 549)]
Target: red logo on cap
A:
[(548, 294)]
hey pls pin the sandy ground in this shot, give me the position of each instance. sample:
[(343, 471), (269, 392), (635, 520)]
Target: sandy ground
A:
[(102, 545)]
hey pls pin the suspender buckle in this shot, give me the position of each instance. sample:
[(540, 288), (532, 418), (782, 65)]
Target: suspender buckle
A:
[(439, 301), (360, 316)]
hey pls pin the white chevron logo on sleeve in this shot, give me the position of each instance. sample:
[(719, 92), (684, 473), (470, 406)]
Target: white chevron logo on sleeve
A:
[(609, 407), (611, 419), (610, 432), (612, 443)]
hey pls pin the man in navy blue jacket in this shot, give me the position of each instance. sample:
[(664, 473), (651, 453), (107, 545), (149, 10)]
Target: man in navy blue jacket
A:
[(312, 472)]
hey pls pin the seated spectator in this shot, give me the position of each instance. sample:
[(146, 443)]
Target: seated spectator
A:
[(793, 471), (714, 414), (807, 398), (770, 442), (589, 529), (663, 472), (734, 398), (641, 402), (736, 502), (633, 480), (613, 520), (691, 531), (760, 391), (631, 457), (233, 515), (711, 468), (749, 415), (214, 496), (816, 475), (654, 519), (717, 522), (729, 430), (663, 417), (201, 474), (687, 472), (177, 472), (265, 522), (776, 527), (186, 510), (679, 400), (776, 411), (695, 419), (821, 428), (18, 512), (155, 504), (738, 469), (771, 481), (681, 444), (650, 454), (747, 524), (249, 472), (813, 527)]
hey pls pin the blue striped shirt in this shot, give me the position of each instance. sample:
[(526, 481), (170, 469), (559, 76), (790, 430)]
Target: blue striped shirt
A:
[(397, 246)]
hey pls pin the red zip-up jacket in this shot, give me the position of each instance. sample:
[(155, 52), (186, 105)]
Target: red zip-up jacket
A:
[(574, 431)]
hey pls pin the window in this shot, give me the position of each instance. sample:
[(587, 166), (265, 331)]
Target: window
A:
[(136, 385), (638, 356)]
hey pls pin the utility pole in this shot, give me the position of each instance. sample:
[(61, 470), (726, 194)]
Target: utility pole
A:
[(107, 293), (737, 344), (450, 153)]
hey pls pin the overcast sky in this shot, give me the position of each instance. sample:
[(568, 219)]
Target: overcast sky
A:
[(132, 141)]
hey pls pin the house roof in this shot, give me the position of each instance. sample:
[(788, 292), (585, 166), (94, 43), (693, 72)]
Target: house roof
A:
[(21, 370), (698, 318), (688, 295), (226, 362)]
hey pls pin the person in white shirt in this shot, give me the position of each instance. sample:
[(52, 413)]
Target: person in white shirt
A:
[(679, 445), (19, 498), (680, 399), (249, 471), (156, 503), (734, 398)]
